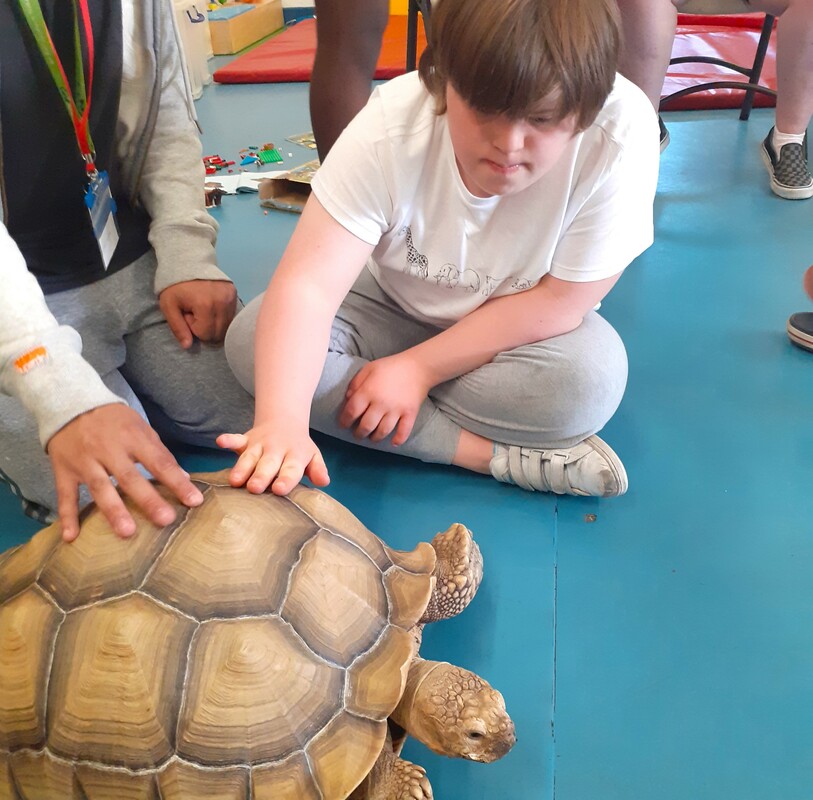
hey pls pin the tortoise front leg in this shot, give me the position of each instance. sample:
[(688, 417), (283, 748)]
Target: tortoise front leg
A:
[(458, 572), (393, 778)]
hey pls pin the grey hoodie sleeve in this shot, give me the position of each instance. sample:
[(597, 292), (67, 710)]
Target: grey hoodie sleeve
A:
[(41, 361), (170, 183)]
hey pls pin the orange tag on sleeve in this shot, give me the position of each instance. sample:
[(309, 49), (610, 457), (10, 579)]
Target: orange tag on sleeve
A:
[(33, 358)]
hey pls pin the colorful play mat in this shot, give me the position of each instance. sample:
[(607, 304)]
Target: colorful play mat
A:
[(288, 57)]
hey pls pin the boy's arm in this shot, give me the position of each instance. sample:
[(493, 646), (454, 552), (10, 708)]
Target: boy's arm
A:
[(386, 394), (551, 308), (317, 270)]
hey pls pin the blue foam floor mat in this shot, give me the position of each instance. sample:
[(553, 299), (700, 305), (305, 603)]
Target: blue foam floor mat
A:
[(656, 646)]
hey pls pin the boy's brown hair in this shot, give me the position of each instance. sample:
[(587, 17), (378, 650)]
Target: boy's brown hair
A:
[(507, 56)]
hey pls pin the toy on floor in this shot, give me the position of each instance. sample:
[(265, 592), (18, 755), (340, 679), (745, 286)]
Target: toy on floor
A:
[(213, 164), (267, 154), (253, 155), (259, 646)]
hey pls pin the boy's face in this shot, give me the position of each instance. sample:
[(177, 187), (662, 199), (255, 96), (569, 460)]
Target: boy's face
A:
[(497, 155)]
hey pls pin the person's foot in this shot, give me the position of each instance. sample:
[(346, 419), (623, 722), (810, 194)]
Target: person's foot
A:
[(800, 330), (589, 468), (788, 169), (664, 134)]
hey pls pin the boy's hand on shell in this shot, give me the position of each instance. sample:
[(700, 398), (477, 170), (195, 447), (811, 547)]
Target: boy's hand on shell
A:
[(385, 396), (274, 458), (109, 442)]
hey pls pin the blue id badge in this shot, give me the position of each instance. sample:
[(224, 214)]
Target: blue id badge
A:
[(102, 209)]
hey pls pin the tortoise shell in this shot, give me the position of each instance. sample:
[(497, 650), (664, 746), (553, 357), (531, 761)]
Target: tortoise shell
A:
[(255, 647)]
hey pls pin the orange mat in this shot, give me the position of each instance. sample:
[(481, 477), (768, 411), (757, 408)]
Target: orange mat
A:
[(288, 57)]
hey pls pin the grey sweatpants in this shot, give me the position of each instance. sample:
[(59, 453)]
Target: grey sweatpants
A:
[(552, 393), (187, 395)]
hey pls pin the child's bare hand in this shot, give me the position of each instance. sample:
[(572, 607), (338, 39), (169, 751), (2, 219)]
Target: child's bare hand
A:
[(385, 396), (275, 457)]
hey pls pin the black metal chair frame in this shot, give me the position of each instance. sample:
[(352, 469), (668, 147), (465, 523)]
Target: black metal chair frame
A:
[(753, 73), (425, 7)]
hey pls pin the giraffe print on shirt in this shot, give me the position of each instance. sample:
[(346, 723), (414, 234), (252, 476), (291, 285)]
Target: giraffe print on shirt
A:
[(449, 276), (417, 263)]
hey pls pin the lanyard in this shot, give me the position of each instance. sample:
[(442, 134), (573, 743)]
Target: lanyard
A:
[(79, 115)]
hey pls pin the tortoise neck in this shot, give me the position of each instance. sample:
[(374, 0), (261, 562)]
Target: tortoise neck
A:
[(409, 713)]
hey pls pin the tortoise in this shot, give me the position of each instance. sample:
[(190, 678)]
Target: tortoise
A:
[(258, 647)]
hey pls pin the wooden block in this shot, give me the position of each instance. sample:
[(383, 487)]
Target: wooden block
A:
[(232, 35)]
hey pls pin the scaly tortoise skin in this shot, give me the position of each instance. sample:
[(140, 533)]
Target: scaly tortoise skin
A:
[(258, 647)]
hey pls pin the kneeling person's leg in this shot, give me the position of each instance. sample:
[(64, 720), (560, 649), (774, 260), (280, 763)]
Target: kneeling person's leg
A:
[(189, 395)]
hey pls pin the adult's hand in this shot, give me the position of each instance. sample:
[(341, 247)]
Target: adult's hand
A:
[(202, 309), (108, 442)]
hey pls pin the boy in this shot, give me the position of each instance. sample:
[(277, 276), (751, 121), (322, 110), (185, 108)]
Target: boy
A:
[(472, 217)]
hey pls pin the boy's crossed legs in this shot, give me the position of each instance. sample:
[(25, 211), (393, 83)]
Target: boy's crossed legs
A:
[(527, 417)]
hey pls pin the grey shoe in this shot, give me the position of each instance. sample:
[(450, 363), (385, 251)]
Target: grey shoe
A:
[(590, 468), (789, 172)]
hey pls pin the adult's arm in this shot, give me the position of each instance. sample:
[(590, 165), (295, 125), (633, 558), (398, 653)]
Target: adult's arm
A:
[(88, 431), (41, 361), (196, 297)]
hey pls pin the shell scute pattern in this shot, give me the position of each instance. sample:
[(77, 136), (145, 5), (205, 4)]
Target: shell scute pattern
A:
[(28, 627), (352, 620), (114, 698), (22, 565), (256, 642), (96, 567), (333, 516), (232, 556)]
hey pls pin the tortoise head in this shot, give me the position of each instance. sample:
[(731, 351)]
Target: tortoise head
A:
[(484, 731), (455, 713)]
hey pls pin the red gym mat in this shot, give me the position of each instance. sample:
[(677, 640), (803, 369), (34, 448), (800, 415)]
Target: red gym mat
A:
[(288, 57), (733, 38)]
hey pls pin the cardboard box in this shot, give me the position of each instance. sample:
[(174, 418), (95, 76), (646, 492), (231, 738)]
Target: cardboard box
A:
[(290, 191), (231, 35)]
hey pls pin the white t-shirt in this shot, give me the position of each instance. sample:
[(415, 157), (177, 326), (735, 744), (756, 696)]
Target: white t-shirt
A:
[(392, 180)]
